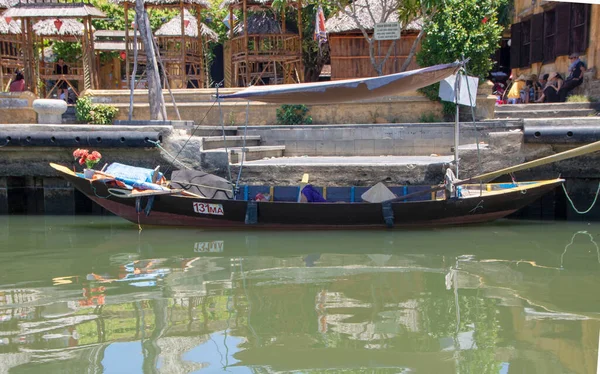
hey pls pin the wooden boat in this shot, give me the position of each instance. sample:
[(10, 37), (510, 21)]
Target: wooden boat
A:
[(476, 203), (175, 208)]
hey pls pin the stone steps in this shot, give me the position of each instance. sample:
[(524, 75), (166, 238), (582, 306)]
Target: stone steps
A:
[(563, 113), (217, 142), (212, 130), (250, 153), (549, 110)]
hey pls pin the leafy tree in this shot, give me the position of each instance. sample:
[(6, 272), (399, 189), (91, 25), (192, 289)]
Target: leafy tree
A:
[(366, 13), (468, 28)]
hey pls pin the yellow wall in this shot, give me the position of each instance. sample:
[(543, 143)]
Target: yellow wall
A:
[(524, 9)]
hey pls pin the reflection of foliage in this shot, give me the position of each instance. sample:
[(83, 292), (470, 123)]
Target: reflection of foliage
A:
[(438, 318)]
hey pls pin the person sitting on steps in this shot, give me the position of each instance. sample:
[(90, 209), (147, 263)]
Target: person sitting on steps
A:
[(575, 78)]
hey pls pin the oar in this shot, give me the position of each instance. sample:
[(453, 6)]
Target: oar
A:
[(571, 153), (575, 152)]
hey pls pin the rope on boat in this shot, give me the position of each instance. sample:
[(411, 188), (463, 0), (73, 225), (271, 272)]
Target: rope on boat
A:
[(157, 144), (218, 101), (190, 137), (573, 205), (237, 182)]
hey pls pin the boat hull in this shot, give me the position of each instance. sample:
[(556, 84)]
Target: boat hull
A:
[(176, 210)]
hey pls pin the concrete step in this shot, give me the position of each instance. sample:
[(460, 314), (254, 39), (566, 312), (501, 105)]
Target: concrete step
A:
[(251, 153), (255, 153), (561, 113), (545, 107), (216, 142), (208, 131)]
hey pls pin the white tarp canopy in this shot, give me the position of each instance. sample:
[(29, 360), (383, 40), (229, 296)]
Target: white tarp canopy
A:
[(347, 90), (578, 1)]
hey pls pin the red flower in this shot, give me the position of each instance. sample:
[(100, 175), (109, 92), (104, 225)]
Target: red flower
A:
[(81, 161), (484, 20)]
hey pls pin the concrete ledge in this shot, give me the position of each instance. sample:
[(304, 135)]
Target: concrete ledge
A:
[(17, 107), (394, 109)]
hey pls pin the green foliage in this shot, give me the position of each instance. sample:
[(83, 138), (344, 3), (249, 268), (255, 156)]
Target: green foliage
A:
[(115, 16), (581, 99), (99, 114), (429, 117), (468, 28), (293, 115), (68, 51)]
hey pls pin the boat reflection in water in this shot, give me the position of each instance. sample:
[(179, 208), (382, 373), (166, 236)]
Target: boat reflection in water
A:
[(510, 297)]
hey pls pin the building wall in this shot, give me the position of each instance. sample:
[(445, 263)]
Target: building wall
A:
[(526, 9), (350, 55)]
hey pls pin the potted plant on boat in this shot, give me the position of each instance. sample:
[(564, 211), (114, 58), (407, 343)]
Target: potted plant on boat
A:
[(89, 159)]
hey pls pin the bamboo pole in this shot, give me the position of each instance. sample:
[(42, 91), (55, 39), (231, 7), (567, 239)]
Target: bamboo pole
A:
[(245, 10), (183, 40), (571, 153), (127, 44)]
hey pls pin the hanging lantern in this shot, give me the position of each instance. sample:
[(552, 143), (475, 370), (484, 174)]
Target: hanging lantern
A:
[(58, 24), (186, 23), (123, 55), (8, 20)]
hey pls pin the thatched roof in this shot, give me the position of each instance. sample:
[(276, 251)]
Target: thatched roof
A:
[(109, 46), (261, 23), (341, 22), (173, 28), (14, 28), (251, 3), (158, 3), (53, 10), (70, 27), (7, 3)]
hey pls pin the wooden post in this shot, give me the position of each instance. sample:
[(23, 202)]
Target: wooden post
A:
[(245, 10), (29, 58), (233, 67), (95, 63), (87, 64), (127, 42), (283, 20), (155, 96), (299, 5), (183, 41)]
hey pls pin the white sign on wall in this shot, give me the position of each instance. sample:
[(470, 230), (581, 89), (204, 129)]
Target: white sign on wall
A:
[(387, 31)]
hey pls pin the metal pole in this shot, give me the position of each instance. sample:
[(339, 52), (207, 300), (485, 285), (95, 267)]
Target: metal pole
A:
[(456, 139), (456, 123)]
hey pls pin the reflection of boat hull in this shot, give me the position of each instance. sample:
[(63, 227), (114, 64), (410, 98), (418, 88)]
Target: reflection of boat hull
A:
[(177, 210)]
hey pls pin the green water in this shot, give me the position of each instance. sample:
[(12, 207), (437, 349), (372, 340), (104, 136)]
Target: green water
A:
[(92, 295)]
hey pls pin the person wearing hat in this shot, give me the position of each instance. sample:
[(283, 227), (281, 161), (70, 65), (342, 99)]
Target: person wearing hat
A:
[(514, 92), (575, 78)]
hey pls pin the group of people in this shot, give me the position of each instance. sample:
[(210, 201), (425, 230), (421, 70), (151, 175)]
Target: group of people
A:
[(550, 88)]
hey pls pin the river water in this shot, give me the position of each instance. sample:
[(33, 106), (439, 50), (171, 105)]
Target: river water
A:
[(93, 294)]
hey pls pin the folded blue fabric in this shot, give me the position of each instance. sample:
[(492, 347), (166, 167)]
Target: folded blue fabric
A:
[(131, 173)]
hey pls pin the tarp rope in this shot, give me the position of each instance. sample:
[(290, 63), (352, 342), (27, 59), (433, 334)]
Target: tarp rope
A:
[(157, 144), (237, 182), (573, 205), (218, 101), (191, 135)]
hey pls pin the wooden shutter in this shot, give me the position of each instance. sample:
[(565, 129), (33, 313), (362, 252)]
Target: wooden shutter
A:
[(586, 38), (537, 38), (515, 45), (563, 29)]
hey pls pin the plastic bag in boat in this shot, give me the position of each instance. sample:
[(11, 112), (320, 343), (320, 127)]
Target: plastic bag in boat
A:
[(203, 184)]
